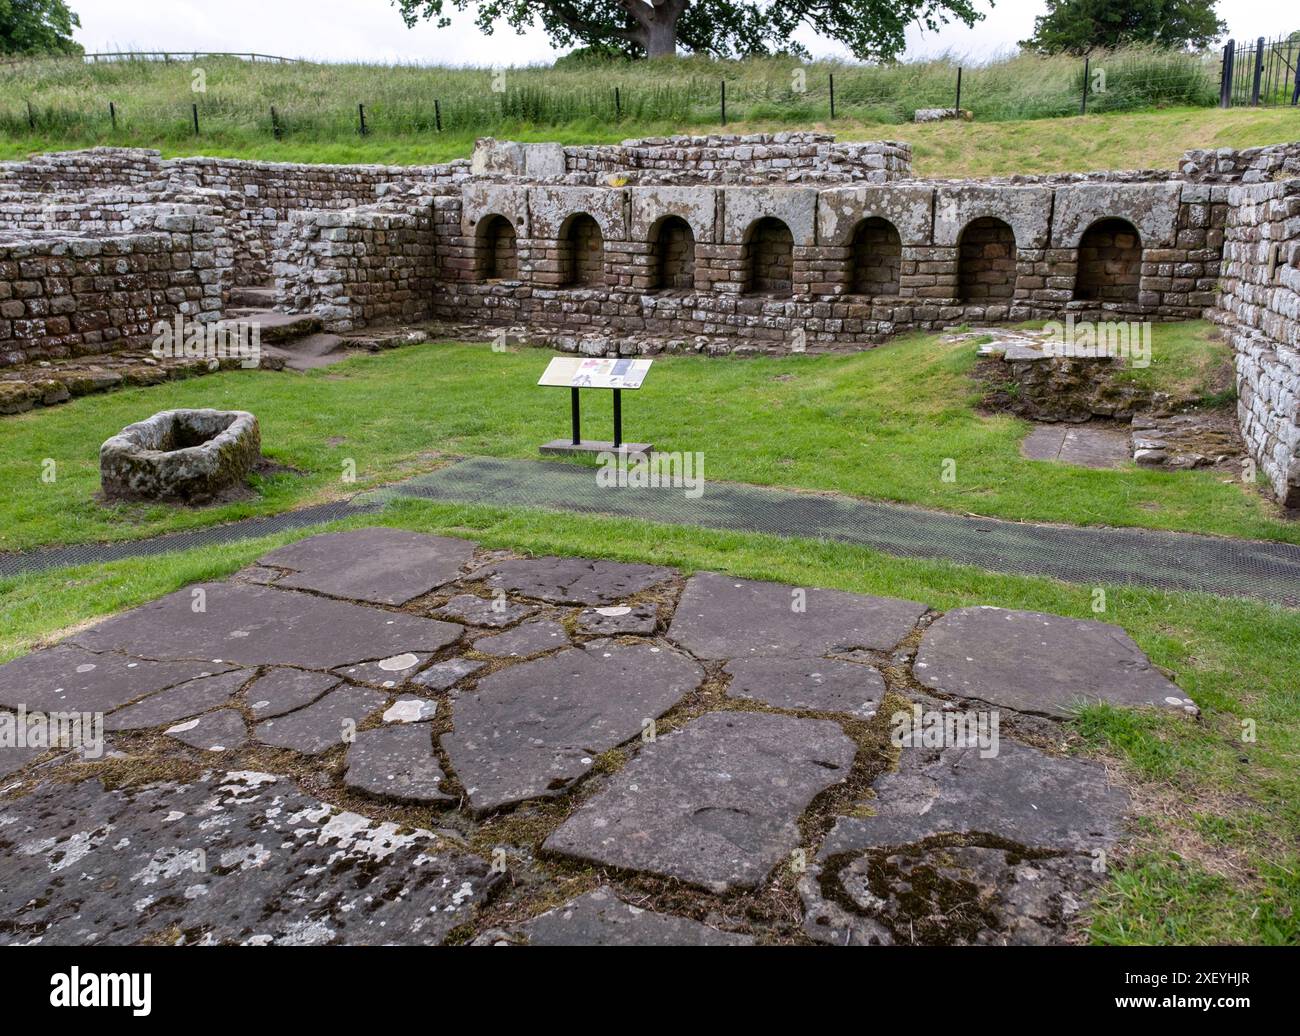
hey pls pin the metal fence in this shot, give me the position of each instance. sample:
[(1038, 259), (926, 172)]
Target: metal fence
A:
[(1261, 74)]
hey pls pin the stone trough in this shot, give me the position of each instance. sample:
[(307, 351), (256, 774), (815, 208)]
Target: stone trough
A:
[(185, 456)]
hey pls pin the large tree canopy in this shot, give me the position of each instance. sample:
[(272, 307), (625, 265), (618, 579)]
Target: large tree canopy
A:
[(37, 27), (722, 28), (1080, 26)]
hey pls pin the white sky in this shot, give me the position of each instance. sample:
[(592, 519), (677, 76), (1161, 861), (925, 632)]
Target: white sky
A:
[(372, 30)]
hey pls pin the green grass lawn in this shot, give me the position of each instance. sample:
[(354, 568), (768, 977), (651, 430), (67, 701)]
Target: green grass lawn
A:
[(879, 424)]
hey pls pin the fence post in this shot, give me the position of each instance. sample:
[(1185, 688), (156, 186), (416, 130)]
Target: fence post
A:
[(275, 123), (361, 120), (1087, 69), (31, 116), (112, 114), (437, 114), (1225, 82), (618, 105), (1259, 72), (957, 106), (724, 102), (832, 79), (194, 108)]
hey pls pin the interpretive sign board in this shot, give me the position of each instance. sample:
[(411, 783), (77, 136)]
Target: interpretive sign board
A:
[(598, 372)]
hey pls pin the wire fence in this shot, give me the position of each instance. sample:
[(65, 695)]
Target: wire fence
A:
[(1261, 74), (485, 101)]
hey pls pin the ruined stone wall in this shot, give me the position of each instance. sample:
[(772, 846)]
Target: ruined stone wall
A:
[(1259, 309), (1250, 165), (88, 170), (63, 296), (356, 267)]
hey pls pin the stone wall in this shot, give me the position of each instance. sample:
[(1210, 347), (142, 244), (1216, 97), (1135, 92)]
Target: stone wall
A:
[(63, 296), (1251, 165), (1259, 309), (357, 267)]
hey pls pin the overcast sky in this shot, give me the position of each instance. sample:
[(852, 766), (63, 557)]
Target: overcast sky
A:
[(372, 30)]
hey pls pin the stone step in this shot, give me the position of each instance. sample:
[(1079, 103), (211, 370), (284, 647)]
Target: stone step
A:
[(308, 353), (260, 296), (277, 327)]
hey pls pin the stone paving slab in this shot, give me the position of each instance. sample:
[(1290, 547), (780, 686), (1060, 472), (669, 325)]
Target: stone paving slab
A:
[(182, 702), (1085, 446), (715, 803), (14, 757), (380, 566), (483, 611), (1022, 795), (256, 625), (530, 638), (442, 675), (532, 729), (238, 857), (722, 617), (396, 762), (220, 731), (71, 678), (1038, 663), (600, 918), (574, 580), (816, 684), (323, 724), (387, 673), (637, 620), (282, 690)]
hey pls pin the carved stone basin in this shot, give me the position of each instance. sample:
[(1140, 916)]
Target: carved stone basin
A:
[(187, 456)]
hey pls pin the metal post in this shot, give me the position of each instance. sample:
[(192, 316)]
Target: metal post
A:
[(31, 116), (194, 110), (1259, 72), (1225, 83), (724, 102), (361, 117), (832, 79), (275, 123), (576, 410), (958, 105), (618, 105), (112, 114), (618, 418), (1087, 68), (437, 115)]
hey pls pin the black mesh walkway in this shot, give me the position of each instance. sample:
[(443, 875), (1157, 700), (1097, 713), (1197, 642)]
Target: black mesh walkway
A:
[(1166, 560)]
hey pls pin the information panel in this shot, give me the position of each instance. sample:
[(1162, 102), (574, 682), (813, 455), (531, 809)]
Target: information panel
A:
[(602, 372)]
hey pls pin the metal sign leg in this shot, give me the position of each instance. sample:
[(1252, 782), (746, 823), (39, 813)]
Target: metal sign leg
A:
[(618, 418), (576, 407)]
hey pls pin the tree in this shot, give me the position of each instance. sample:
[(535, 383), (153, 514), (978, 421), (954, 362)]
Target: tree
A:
[(1081, 26), (722, 28), (37, 27)]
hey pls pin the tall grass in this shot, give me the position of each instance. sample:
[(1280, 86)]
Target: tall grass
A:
[(69, 99)]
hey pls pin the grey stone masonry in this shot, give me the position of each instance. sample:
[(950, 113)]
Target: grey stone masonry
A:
[(1259, 309)]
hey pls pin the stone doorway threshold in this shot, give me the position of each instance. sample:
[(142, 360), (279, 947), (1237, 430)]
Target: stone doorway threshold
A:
[(1097, 444)]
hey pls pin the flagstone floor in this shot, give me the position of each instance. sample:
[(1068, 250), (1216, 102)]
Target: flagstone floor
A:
[(383, 737)]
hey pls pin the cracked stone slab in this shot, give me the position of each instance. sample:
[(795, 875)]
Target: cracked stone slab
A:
[(233, 858), (70, 678), (637, 620), (813, 684), (574, 580), (381, 566), (441, 675), (411, 710), (248, 625), (212, 732), (1038, 663), (396, 762), (531, 638), (955, 895), (600, 918), (322, 725), (714, 804), (724, 617), (387, 673), (484, 611), (181, 702), (532, 729), (13, 757), (1022, 795), (283, 690)]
